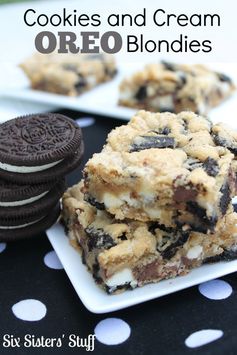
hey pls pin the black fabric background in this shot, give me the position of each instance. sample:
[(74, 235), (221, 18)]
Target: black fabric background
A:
[(157, 327)]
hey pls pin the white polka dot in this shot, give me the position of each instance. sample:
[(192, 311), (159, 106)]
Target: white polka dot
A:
[(30, 310), (52, 261), (2, 247), (112, 331), (203, 337), (85, 121), (215, 289)]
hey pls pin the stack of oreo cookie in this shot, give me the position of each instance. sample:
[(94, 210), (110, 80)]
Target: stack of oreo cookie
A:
[(36, 152)]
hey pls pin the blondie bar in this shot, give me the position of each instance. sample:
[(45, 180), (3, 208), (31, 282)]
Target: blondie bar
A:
[(68, 74), (127, 254), (174, 88), (173, 169)]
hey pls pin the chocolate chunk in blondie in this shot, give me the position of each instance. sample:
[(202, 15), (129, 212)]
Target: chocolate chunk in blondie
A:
[(211, 167), (93, 202), (148, 142), (98, 239), (141, 93)]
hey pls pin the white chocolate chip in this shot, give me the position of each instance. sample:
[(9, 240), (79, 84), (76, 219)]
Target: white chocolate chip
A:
[(194, 252), (121, 278), (111, 201)]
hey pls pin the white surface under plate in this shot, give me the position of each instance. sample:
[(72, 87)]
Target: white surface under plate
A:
[(97, 301), (102, 100)]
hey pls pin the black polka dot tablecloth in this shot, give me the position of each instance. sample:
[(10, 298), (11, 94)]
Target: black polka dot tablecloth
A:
[(40, 313)]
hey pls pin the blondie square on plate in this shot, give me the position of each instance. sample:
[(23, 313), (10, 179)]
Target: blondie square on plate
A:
[(173, 169), (175, 87), (68, 74)]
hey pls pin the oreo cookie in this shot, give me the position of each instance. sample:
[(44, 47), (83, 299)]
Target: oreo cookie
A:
[(148, 142), (49, 175), (14, 195), (29, 229), (24, 213), (39, 148), (30, 209)]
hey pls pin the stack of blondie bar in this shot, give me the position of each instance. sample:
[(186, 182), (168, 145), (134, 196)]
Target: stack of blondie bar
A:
[(156, 202)]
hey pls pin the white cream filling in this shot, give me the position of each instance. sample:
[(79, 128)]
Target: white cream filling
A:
[(153, 213), (21, 225), (121, 278), (225, 88), (91, 80), (27, 169), (209, 207), (111, 201), (194, 252), (147, 195), (151, 90), (126, 95), (125, 197), (202, 108), (165, 102), (22, 202)]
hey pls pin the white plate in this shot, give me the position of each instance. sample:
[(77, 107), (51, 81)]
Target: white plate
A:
[(103, 99), (97, 301)]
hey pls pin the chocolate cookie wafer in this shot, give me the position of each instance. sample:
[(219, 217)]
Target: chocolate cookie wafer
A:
[(27, 219), (39, 148), (12, 194), (26, 213), (29, 229)]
